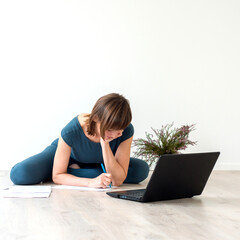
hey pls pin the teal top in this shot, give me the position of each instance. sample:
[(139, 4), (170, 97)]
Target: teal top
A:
[(83, 149)]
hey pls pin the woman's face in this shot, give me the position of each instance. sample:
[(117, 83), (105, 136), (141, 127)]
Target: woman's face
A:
[(110, 134)]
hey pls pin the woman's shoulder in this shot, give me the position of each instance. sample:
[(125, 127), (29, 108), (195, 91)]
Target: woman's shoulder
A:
[(129, 129), (82, 117), (70, 131), (127, 133), (70, 126)]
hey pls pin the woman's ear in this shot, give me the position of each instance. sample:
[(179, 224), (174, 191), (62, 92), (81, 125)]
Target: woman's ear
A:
[(95, 118)]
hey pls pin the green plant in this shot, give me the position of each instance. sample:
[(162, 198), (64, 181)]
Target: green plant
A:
[(168, 141)]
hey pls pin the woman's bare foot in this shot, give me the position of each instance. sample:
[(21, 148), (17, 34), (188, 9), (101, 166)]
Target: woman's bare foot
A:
[(75, 166)]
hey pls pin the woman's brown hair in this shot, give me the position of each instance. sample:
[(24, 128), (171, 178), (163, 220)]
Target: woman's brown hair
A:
[(112, 111)]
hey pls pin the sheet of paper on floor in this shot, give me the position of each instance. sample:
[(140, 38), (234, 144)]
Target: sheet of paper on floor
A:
[(27, 192), (83, 188)]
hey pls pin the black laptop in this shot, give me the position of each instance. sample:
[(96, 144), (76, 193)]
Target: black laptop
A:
[(175, 176)]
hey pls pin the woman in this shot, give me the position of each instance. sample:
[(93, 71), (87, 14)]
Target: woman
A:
[(103, 136)]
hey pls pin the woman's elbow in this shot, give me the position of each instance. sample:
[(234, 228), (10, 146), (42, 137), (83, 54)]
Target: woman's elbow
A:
[(55, 179), (117, 183)]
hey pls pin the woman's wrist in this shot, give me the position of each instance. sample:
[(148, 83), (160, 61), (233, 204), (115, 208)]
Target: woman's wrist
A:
[(89, 182), (104, 143)]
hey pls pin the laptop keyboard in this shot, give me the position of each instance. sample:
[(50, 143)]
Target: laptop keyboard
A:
[(134, 194)]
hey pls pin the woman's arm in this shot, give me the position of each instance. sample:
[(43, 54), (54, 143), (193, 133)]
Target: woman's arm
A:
[(60, 165), (60, 175), (117, 165)]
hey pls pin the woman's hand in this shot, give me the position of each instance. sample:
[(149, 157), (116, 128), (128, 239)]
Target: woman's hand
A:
[(102, 141), (101, 181), (110, 135)]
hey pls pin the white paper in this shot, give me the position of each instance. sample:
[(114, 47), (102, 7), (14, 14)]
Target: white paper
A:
[(30, 189), (44, 191), (27, 192), (83, 188)]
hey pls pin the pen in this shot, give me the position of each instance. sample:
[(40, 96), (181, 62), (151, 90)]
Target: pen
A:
[(103, 168)]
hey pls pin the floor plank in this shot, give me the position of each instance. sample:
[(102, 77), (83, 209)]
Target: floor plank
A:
[(72, 214)]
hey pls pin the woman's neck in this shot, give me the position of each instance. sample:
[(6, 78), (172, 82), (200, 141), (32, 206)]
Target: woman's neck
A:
[(82, 118)]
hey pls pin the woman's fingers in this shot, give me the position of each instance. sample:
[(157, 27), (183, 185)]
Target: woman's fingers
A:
[(107, 182), (107, 179), (107, 176)]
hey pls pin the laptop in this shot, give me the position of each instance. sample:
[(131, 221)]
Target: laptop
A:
[(175, 176)]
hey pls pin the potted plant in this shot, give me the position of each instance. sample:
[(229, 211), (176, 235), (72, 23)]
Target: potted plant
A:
[(167, 141)]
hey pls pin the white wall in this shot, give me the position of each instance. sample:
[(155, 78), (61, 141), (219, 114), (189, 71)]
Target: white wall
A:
[(176, 61)]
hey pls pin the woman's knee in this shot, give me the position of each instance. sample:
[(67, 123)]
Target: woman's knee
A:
[(34, 169), (20, 173), (138, 171)]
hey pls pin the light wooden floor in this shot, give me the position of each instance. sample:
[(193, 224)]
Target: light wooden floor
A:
[(73, 215)]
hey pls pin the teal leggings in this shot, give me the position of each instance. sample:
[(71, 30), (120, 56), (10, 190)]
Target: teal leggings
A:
[(38, 168)]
